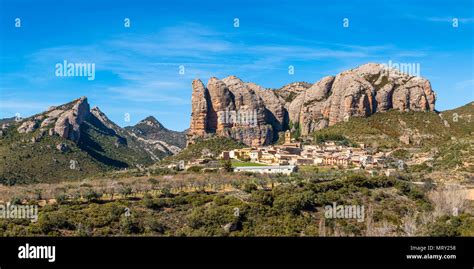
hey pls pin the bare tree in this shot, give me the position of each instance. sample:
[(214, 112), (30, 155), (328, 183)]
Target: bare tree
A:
[(448, 200)]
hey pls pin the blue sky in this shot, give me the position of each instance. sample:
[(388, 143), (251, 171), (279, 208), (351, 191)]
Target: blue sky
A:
[(137, 68)]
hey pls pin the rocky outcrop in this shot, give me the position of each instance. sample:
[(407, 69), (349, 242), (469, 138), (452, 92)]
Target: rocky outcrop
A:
[(28, 126), (64, 120), (68, 123), (98, 114), (290, 91), (251, 114), (232, 108), (362, 92), (199, 99), (62, 147)]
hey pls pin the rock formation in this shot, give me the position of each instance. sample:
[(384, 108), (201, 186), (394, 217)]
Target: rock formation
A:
[(254, 115), (64, 120), (67, 119), (232, 108)]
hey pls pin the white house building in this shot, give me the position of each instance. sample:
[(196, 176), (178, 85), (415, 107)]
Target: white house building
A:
[(273, 169)]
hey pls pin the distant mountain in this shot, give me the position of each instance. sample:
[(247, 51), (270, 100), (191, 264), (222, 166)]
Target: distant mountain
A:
[(262, 113), (73, 141), (7, 120), (152, 131)]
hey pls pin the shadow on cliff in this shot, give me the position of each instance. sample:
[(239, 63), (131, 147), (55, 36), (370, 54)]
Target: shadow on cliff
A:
[(88, 144)]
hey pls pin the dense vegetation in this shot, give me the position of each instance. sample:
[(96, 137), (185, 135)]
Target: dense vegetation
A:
[(273, 205)]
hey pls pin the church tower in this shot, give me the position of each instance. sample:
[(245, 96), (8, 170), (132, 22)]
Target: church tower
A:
[(287, 137)]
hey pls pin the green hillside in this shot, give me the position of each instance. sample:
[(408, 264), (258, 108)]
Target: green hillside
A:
[(34, 157), (426, 128), (448, 134)]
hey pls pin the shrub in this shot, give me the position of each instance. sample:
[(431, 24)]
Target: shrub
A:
[(249, 187), (126, 191), (294, 203), (52, 221), (195, 169), (15, 200), (228, 166), (128, 225), (156, 226), (61, 199), (262, 197), (445, 226), (92, 195)]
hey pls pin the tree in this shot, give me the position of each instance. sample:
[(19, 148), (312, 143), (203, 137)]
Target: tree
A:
[(228, 166), (92, 195), (126, 191)]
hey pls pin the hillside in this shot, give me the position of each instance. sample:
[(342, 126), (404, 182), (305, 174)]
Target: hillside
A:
[(70, 141), (391, 128), (446, 137)]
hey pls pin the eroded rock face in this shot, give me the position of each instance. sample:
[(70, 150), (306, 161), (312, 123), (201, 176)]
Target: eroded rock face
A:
[(200, 100), (64, 120), (232, 108), (28, 126), (361, 92), (68, 123)]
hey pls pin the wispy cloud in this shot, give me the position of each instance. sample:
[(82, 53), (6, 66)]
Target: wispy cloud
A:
[(145, 67), (449, 19)]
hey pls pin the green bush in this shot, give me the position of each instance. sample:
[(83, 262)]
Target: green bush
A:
[(126, 191), (128, 225), (262, 197), (249, 187), (92, 195), (195, 169), (61, 199), (155, 226)]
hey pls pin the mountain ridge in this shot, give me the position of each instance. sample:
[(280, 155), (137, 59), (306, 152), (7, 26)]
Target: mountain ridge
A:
[(72, 141)]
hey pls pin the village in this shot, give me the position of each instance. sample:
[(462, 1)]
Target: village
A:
[(287, 157)]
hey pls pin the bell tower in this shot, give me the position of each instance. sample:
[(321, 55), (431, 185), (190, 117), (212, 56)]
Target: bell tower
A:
[(287, 137)]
